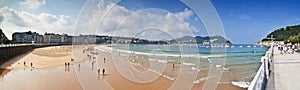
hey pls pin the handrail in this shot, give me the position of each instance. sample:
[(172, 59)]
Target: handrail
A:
[(259, 82)]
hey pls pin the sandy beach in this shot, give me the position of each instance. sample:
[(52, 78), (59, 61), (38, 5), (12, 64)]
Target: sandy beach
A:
[(121, 71), (138, 72), (44, 57)]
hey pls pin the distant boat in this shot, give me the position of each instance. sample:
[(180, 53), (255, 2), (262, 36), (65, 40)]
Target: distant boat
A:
[(248, 46), (241, 46), (232, 46), (226, 46)]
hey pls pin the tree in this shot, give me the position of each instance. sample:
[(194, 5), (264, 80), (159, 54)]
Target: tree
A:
[(283, 34)]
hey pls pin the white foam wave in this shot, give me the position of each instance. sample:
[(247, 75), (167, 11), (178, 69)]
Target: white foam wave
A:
[(188, 64), (155, 71), (170, 78), (218, 66), (193, 68), (241, 84), (110, 50), (162, 61), (201, 79), (151, 59)]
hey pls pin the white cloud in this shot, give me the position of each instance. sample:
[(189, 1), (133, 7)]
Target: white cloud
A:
[(184, 14), (128, 22), (245, 17), (21, 21), (33, 4), (241, 16)]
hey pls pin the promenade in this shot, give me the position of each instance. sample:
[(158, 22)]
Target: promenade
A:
[(286, 71)]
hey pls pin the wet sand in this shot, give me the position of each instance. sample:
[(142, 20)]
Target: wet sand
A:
[(169, 78), (135, 73)]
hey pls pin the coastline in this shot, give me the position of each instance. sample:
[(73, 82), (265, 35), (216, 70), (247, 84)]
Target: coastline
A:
[(112, 79), (165, 80)]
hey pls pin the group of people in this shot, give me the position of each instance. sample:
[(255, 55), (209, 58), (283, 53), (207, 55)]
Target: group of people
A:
[(93, 63), (287, 49), (103, 70), (67, 66), (31, 64)]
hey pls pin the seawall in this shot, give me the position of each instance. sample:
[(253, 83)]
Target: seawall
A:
[(6, 53)]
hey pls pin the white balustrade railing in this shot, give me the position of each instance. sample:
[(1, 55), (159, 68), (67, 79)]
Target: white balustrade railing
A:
[(259, 82)]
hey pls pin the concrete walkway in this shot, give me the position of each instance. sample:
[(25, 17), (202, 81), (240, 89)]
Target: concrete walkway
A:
[(286, 71)]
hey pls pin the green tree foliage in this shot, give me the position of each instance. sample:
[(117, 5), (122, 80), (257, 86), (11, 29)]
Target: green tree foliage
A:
[(293, 39), (3, 38), (284, 34)]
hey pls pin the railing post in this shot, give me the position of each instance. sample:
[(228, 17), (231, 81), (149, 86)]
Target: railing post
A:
[(265, 63)]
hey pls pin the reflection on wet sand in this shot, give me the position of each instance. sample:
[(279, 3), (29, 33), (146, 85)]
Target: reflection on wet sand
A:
[(40, 79)]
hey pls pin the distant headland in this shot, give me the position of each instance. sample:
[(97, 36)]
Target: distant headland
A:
[(288, 34)]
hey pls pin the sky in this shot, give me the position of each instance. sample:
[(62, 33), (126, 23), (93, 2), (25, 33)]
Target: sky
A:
[(244, 21)]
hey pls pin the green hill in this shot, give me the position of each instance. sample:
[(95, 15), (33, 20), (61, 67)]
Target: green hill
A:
[(3, 37), (284, 34)]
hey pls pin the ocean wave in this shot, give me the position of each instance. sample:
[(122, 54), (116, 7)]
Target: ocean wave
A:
[(163, 61), (182, 56), (241, 84), (201, 79), (110, 50), (188, 64)]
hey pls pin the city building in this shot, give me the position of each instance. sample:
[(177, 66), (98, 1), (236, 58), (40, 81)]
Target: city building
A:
[(52, 38), (26, 37), (66, 39)]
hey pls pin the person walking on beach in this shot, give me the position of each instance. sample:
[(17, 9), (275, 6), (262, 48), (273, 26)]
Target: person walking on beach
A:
[(31, 65), (104, 60), (93, 62), (98, 71), (68, 64), (65, 64), (173, 65), (103, 71), (24, 63)]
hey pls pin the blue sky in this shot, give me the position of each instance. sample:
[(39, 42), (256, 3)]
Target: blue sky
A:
[(244, 21), (247, 21)]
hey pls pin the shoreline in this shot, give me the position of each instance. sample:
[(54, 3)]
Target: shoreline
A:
[(166, 78), (84, 56)]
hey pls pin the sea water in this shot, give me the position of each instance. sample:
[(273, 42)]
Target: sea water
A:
[(240, 66)]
